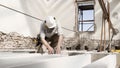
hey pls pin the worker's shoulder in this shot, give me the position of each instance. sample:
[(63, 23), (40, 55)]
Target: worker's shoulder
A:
[(42, 23)]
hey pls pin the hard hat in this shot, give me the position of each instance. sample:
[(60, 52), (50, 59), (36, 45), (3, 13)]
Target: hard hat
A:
[(50, 22)]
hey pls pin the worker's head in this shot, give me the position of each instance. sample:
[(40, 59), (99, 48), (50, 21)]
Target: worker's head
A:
[(50, 22)]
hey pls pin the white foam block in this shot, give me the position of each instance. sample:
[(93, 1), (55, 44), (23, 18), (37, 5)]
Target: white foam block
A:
[(77, 61), (10, 59), (105, 62)]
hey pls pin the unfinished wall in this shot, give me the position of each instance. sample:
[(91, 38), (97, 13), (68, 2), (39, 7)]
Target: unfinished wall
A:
[(13, 41), (11, 21), (63, 10), (114, 16), (14, 22)]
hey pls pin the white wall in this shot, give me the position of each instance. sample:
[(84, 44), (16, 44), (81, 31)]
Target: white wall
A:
[(114, 7), (11, 21), (63, 10)]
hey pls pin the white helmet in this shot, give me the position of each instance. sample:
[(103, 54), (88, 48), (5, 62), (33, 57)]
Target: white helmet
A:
[(50, 22)]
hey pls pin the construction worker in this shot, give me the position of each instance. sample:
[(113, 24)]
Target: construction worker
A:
[(51, 35)]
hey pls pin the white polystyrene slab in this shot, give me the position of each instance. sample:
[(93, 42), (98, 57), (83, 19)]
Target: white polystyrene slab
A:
[(105, 62), (11, 59), (77, 61)]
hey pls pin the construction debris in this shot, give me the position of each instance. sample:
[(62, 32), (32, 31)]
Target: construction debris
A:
[(14, 40), (71, 43), (83, 44)]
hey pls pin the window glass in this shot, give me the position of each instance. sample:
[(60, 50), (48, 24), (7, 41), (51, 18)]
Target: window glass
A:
[(88, 15), (86, 27)]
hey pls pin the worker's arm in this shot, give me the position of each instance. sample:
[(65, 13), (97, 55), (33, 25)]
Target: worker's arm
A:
[(42, 37), (50, 49), (59, 44)]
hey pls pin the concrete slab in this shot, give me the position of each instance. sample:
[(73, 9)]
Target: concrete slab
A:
[(105, 62), (118, 60), (77, 61), (13, 59), (97, 56)]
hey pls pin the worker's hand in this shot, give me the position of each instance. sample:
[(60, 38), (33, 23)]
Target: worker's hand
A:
[(50, 50), (57, 49)]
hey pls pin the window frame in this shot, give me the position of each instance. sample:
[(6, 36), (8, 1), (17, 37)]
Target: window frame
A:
[(84, 7)]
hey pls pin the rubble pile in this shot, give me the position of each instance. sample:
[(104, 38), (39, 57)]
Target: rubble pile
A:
[(70, 43), (88, 44), (14, 40)]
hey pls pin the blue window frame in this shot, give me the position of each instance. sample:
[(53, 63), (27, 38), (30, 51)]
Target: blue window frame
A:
[(86, 17)]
